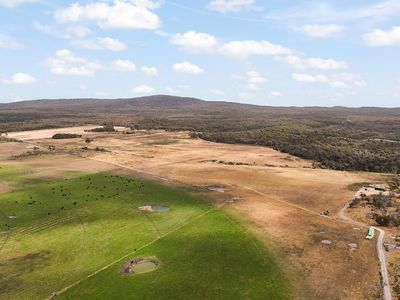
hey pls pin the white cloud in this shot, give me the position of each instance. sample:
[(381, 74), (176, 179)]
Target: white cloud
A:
[(343, 80), (246, 48), (106, 43), (254, 80), (188, 68), (19, 78), (143, 89), (151, 71), (7, 42), (14, 3), (275, 94), (124, 65), (195, 42), (45, 29), (325, 12), (309, 78), (200, 42), (226, 6), (255, 77), (219, 92), (338, 84), (321, 30), (79, 31), (70, 32), (380, 38), (121, 14), (66, 63), (83, 87), (314, 63)]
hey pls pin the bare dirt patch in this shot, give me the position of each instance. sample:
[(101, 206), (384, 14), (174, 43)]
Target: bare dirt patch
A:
[(8, 150), (70, 163), (47, 133), (5, 187)]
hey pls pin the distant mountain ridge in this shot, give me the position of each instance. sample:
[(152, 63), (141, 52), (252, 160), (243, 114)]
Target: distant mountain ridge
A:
[(170, 103)]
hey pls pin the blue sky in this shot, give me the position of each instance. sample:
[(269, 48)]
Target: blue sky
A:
[(276, 52)]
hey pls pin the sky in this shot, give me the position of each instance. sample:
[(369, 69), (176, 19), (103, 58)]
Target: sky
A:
[(275, 52)]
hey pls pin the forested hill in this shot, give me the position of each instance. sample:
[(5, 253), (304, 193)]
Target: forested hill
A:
[(165, 102), (340, 138)]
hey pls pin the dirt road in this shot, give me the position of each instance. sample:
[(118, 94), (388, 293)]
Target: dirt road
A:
[(387, 293)]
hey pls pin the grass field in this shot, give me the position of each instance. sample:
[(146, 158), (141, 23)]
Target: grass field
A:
[(66, 230)]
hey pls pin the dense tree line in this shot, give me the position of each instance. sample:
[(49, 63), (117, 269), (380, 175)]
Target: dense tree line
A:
[(332, 142)]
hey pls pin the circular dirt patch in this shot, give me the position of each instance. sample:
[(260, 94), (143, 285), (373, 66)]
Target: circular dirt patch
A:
[(140, 265)]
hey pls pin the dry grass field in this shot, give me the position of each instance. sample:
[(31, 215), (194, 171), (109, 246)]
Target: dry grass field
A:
[(278, 197)]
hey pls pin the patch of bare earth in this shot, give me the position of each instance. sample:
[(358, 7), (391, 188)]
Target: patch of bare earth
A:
[(5, 187), (8, 150), (47, 133)]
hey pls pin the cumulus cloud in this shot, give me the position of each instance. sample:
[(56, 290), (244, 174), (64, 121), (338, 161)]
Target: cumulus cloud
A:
[(343, 80), (254, 80), (246, 48), (66, 63), (106, 43), (188, 68), (121, 14), (313, 63), (123, 65), (200, 42), (19, 78), (195, 42), (321, 30), (151, 71), (227, 6), (14, 3), (380, 38), (143, 89), (7, 42)]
